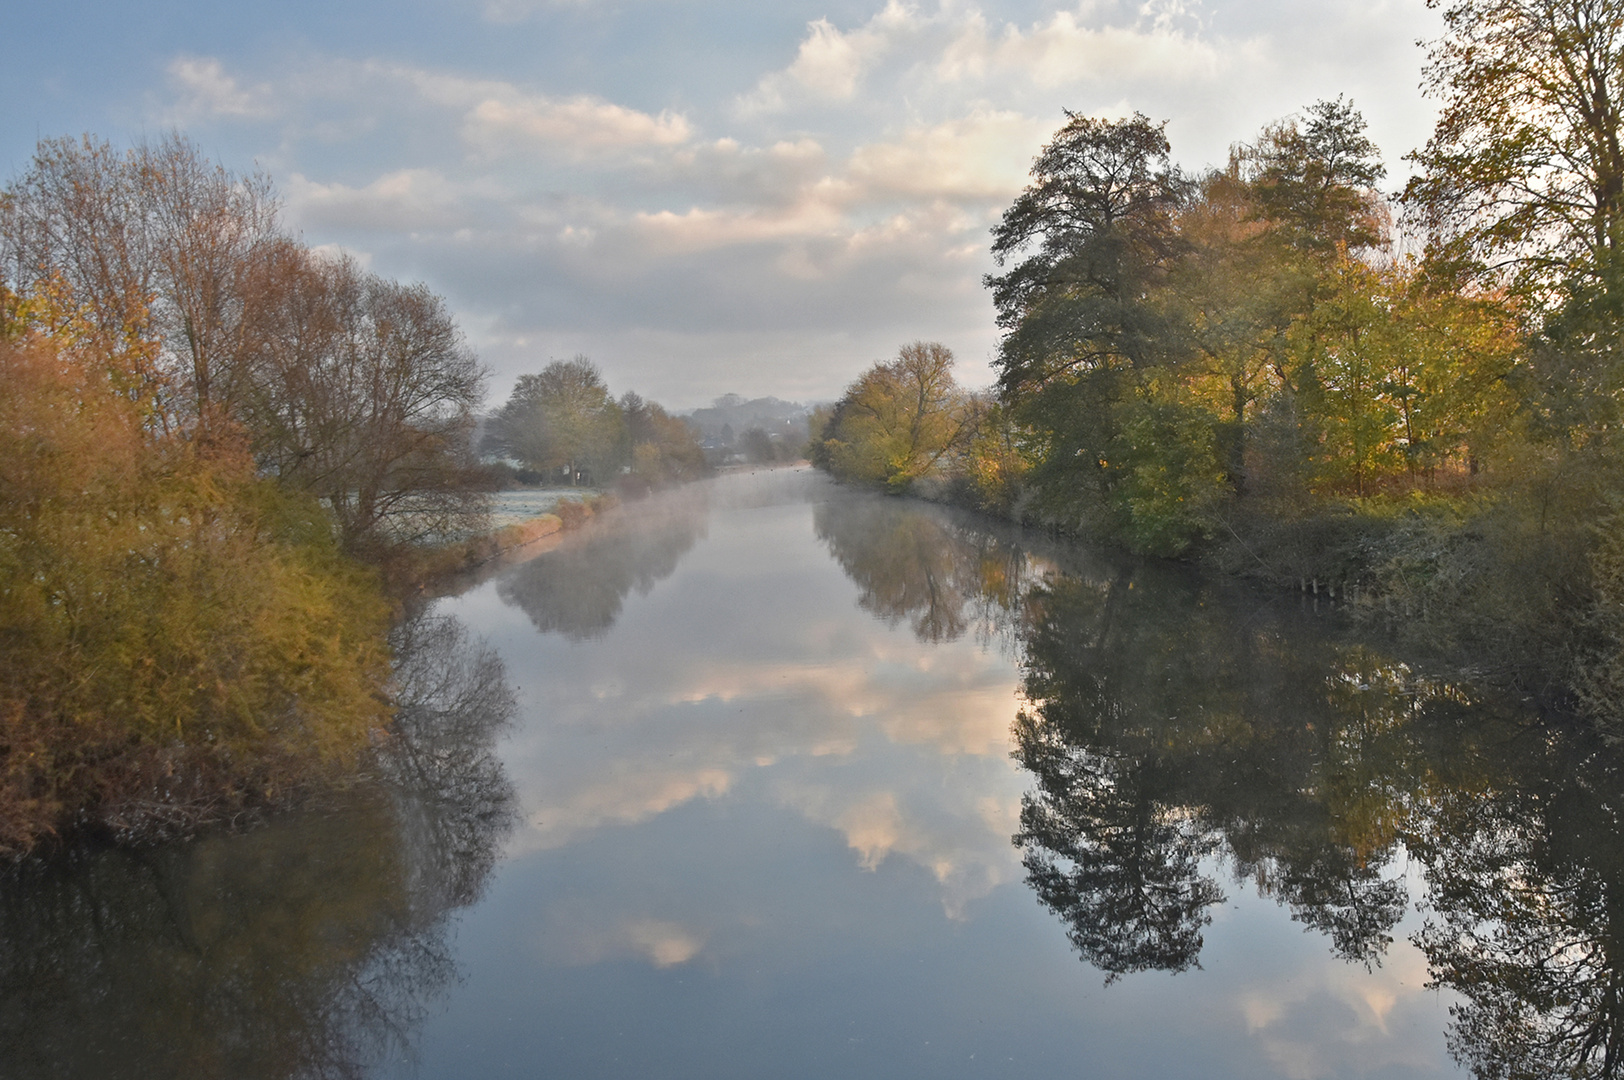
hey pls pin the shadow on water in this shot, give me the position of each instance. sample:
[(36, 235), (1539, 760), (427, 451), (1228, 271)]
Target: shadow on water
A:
[(309, 946), (1178, 731)]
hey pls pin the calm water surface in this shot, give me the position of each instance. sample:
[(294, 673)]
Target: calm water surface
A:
[(771, 779)]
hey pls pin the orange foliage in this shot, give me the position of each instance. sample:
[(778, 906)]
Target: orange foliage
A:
[(177, 636)]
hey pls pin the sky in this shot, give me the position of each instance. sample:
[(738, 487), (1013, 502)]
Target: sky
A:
[(702, 196)]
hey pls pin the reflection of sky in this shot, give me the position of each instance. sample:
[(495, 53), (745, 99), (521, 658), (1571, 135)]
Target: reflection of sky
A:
[(766, 835)]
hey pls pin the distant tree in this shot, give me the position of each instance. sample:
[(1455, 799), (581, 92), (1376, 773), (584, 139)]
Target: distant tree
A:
[(758, 446), (562, 421), (664, 448)]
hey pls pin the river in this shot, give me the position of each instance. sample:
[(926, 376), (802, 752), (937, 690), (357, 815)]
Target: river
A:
[(768, 778)]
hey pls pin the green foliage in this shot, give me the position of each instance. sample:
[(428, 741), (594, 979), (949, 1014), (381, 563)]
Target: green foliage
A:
[(902, 423), (1163, 475), (1173, 346)]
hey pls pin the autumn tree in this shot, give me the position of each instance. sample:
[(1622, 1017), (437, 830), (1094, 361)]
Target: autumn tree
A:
[(1092, 359), (155, 242), (1523, 178), (664, 448), (363, 395), (899, 422), (179, 635), (350, 387)]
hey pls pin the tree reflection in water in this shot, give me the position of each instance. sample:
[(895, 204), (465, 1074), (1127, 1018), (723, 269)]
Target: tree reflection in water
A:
[(943, 573), (578, 588), (1527, 889), (1173, 729), (305, 947)]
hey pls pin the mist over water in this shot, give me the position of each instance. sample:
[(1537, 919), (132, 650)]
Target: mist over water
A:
[(764, 776)]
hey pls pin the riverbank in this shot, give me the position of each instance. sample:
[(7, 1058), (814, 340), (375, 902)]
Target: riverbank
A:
[(1496, 583), (437, 569)]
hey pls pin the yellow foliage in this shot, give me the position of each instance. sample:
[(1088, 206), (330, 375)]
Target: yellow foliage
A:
[(172, 628)]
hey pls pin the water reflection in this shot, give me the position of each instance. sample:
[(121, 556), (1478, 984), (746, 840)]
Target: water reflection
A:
[(942, 573), (1524, 854), (577, 589), (1176, 733), (309, 946)]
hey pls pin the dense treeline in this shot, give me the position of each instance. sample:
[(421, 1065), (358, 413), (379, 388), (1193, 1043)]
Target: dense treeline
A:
[(207, 433), (562, 424), (1273, 365)]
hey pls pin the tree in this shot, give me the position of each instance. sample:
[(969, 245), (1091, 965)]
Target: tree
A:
[(363, 395), (1099, 212), (1314, 181), (155, 243), (179, 634), (1523, 178), (562, 420), (897, 424), (1266, 236), (351, 387), (664, 448)]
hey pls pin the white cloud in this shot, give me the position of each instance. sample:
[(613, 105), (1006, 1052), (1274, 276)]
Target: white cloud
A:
[(578, 937), (205, 90), (1068, 49), (579, 125), (981, 157), (407, 199), (830, 63)]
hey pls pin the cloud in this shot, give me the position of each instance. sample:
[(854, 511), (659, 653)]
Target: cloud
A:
[(830, 63), (901, 748), (580, 125), (407, 199), (1307, 1019), (1068, 50), (577, 936), (980, 157), (205, 90)]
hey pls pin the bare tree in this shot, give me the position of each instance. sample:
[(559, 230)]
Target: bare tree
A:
[(154, 243), (364, 395), (354, 388)]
